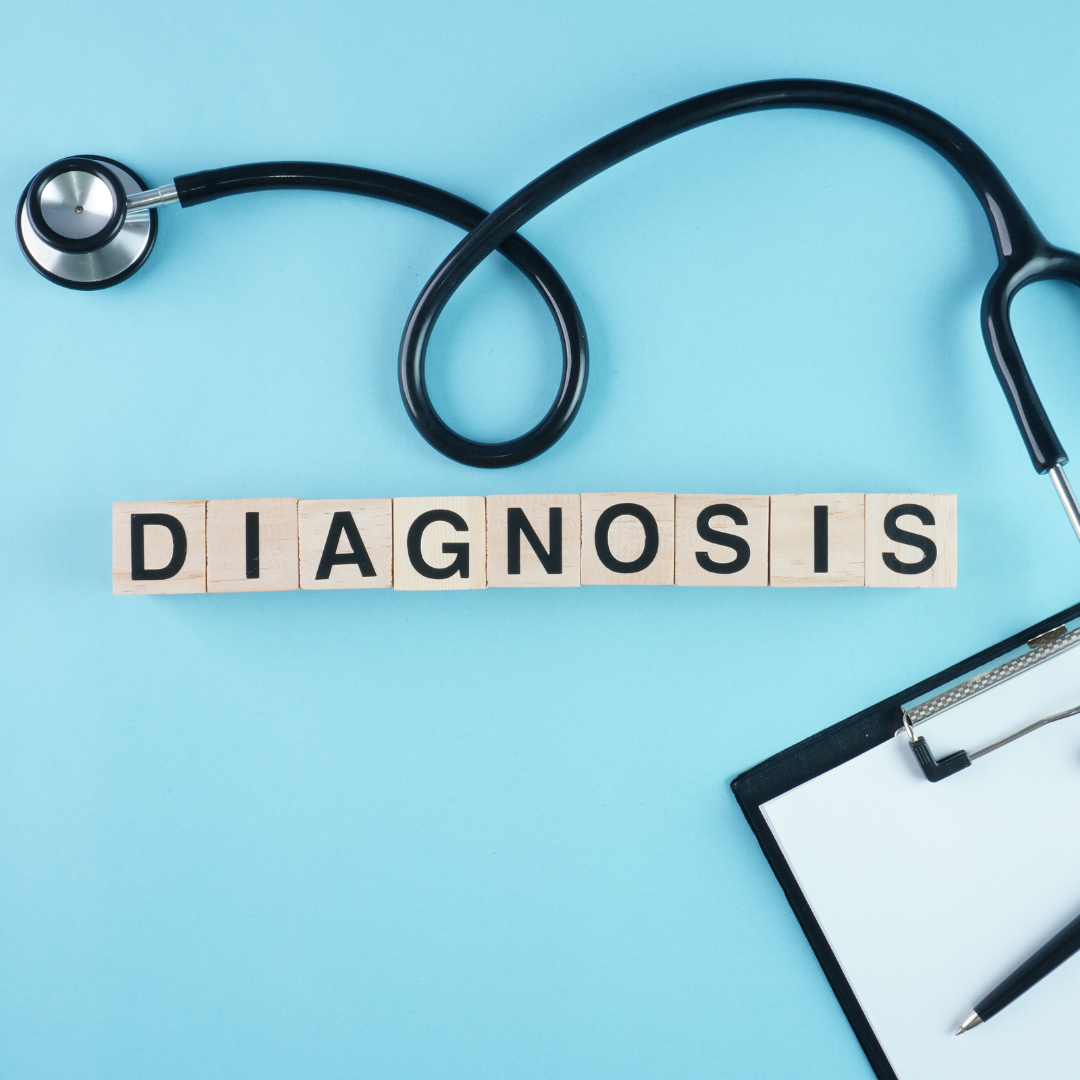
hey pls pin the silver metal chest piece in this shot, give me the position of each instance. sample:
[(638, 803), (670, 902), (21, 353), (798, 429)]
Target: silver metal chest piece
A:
[(74, 225)]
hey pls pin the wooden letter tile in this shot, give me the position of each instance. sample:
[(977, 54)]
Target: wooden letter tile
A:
[(628, 539), (345, 543), (533, 540), (439, 543), (816, 540), (159, 547), (251, 545), (911, 541), (721, 539)]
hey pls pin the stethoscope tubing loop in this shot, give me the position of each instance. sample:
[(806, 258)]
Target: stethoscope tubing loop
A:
[(1023, 253), (195, 188)]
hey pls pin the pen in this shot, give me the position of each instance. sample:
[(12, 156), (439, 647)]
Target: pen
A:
[(1056, 951)]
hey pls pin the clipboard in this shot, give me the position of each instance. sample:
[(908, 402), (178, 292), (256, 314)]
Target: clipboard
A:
[(918, 897)]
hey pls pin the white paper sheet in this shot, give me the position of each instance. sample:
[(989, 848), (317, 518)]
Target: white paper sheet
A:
[(930, 894)]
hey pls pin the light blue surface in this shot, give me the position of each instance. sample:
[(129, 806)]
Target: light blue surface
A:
[(485, 834)]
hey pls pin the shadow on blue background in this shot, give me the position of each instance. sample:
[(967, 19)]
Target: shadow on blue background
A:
[(485, 834)]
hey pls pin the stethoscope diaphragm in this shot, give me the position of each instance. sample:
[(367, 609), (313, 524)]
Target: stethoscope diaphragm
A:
[(74, 225)]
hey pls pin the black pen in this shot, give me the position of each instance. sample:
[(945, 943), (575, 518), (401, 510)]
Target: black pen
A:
[(1056, 951)]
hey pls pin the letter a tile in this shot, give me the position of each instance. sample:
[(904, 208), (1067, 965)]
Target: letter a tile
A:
[(345, 543)]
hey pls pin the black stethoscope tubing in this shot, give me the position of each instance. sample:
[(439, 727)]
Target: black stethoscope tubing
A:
[(120, 246), (200, 187), (1024, 255), (195, 188)]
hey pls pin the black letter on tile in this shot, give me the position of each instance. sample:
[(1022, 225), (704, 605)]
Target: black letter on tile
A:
[(251, 524), (652, 538), (517, 524), (139, 572), (460, 565), (343, 522), (821, 539), (902, 536), (714, 536)]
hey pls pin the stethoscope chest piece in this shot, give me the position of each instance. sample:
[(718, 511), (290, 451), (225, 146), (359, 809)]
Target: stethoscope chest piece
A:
[(74, 225)]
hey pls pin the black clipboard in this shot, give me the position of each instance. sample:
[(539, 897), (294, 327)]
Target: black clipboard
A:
[(827, 750)]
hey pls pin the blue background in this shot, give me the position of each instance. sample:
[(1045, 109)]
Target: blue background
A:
[(353, 834)]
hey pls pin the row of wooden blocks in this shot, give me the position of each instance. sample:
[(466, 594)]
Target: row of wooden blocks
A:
[(470, 542)]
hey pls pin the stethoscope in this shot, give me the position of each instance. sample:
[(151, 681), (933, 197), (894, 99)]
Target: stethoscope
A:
[(90, 222)]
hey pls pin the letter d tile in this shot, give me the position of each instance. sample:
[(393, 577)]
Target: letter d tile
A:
[(159, 547)]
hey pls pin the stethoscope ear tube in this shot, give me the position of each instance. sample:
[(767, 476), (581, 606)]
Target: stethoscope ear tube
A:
[(1011, 276)]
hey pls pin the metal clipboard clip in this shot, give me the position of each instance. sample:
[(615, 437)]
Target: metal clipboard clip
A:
[(1039, 649)]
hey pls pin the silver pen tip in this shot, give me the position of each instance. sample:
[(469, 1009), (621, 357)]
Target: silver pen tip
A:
[(973, 1019)]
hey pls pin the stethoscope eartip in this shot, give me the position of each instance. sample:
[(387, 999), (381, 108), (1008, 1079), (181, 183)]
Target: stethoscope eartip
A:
[(74, 225)]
